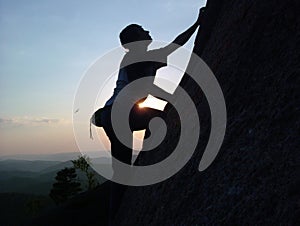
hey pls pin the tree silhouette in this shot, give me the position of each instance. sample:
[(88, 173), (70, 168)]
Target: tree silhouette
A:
[(83, 163), (66, 185)]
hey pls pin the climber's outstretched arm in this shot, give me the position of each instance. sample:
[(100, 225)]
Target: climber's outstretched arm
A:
[(181, 39)]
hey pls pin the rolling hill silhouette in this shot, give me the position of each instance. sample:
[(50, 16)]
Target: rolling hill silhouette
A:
[(25, 187)]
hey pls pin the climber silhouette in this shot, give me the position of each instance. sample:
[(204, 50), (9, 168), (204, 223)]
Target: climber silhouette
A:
[(138, 118)]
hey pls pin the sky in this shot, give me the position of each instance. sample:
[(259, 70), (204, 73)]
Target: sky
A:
[(46, 46)]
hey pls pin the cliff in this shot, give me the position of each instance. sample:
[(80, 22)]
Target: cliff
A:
[(253, 49)]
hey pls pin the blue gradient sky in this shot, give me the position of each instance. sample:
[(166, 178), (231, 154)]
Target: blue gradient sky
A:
[(47, 45)]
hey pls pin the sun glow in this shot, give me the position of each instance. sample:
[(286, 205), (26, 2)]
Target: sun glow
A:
[(153, 102)]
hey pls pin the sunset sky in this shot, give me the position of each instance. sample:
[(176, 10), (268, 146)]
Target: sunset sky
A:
[(46, 46)]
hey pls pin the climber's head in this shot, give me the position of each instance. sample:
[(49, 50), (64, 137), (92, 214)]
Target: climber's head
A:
[(133, 33)]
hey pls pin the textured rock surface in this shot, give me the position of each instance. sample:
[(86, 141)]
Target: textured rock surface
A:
[(254, 52)]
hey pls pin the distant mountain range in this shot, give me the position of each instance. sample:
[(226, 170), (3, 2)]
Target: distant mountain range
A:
[(26, 165), (36, 177), (61, 157), (25, 184)]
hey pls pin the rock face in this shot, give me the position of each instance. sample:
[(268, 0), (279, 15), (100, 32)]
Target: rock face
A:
[(253, 49)]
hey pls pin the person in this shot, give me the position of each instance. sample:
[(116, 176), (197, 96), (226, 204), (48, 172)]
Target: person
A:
[(137, 52)]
